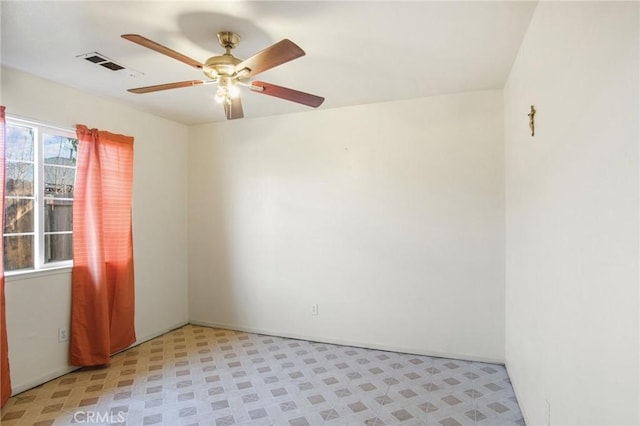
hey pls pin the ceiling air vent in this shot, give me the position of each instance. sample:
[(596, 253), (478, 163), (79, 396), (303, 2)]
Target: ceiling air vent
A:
[(112, 66), (95, 59), (103, 61)]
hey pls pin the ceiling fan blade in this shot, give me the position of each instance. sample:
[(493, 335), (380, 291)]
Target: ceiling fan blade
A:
[(234, 109), (149, 44), (287, 94), (274, 55), (148, 89)]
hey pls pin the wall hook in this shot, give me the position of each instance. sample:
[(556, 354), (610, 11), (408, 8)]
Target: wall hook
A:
[(531, 116)]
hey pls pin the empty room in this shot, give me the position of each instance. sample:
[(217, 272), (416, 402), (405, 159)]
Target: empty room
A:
[(431, 218)]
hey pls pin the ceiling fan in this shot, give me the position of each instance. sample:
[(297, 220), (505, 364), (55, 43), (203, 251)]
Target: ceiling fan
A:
[(229, 72)]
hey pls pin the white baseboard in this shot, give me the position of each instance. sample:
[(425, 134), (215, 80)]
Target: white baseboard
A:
[(329, 340), (41, 380), (15, 390), (147, 337)]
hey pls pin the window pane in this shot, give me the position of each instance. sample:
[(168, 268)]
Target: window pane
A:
[(58, 247), (18, 252), (19, 179), (58, 181), (40, 167), (19, 143), (58, 215), (18, 216), (60, 150)]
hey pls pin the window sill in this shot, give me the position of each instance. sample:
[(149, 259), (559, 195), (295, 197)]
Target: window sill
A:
[(30, 274)]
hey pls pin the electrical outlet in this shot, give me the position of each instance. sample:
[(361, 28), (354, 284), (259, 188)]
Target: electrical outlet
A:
[(63, 335), (314, 309)]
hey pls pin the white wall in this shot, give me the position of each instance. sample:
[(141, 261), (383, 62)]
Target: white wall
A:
[(572, 216), (388, 216), (38, 305)]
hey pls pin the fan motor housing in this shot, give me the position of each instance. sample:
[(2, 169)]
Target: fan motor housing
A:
[(222, 65)]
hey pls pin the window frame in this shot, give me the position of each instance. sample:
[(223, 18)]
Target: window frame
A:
[(40, 129)]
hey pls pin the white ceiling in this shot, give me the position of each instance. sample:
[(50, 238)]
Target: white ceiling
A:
[(357, 52)]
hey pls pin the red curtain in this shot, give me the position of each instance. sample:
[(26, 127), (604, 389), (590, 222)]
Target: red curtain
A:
[(102, 298), (5, 376)]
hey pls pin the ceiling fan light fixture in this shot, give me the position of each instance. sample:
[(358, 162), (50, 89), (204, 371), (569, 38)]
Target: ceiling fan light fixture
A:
[(227, 90), (221, 94), (233, 91)]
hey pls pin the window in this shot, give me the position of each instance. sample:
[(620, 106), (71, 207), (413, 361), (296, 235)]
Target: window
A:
[(40, 170)]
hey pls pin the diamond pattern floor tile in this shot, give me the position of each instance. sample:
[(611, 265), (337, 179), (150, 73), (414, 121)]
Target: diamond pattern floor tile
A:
[(200, 376)]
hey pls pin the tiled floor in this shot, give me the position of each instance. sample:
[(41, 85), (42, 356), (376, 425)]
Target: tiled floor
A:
[(204, 376)]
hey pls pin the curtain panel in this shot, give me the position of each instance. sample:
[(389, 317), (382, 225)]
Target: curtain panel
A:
[(5, 375), (103, 297)]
